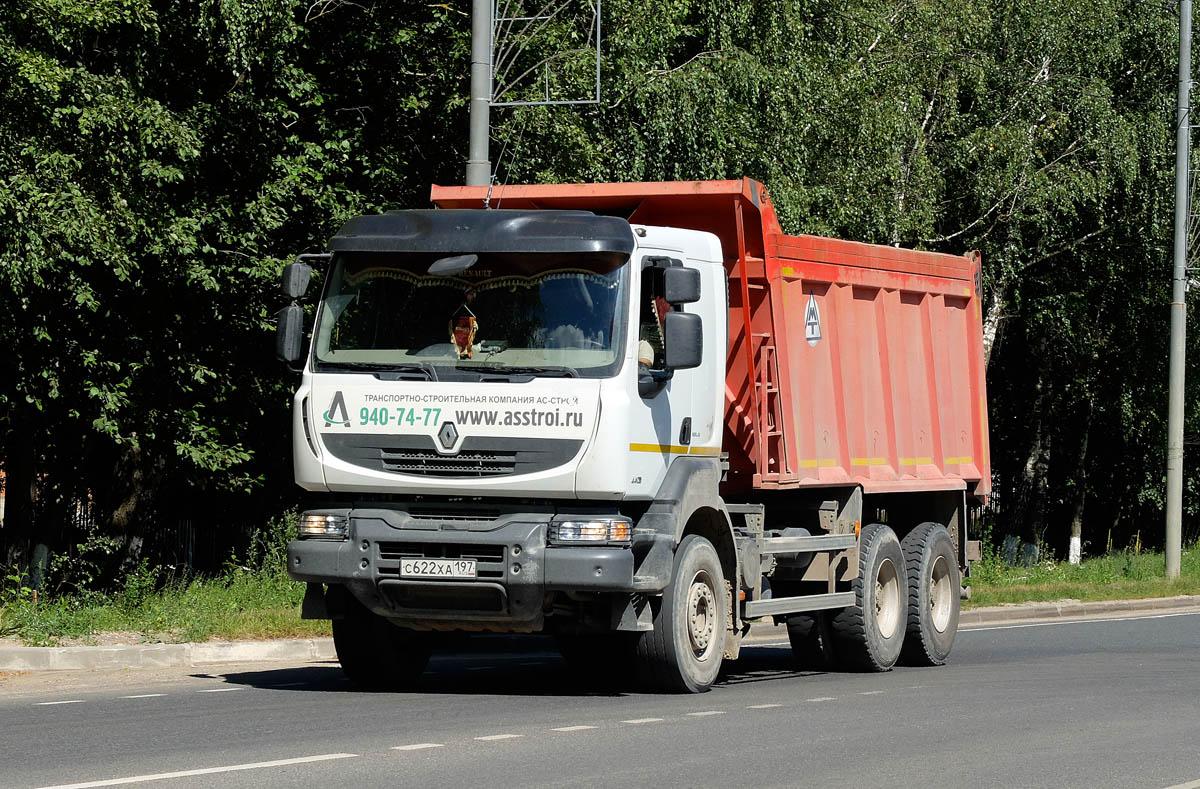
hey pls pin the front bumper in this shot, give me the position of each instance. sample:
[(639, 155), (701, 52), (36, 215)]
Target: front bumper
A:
[(515, 568)]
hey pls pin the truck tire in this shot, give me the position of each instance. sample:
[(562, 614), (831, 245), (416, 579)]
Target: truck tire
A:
[(376, 654), (868, 636), (683, 652), (934, 583), (810, 638)]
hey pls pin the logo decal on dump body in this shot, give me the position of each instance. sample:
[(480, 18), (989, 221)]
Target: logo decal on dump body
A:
[(336, 405), (812, 321)]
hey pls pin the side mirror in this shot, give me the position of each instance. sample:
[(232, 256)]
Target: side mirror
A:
[(681, 285), (683, 340), (289, 333), (296, 277)]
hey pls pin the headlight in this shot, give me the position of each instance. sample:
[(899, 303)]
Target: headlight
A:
[(324, 526), (607, 530)]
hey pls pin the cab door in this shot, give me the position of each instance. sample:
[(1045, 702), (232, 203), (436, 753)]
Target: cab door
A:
[(674, 413)]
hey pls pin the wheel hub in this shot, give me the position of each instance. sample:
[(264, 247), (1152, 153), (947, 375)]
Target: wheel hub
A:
[(887, 599), (941, 604), (701, 614)]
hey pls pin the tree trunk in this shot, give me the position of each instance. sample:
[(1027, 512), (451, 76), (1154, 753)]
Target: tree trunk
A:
[(19, 533), (991, 323), (1029, 514), (1075, 549)]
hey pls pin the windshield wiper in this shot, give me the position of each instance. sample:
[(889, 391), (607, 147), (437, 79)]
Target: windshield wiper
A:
[(389, 372), (392, 372), (560, 371)]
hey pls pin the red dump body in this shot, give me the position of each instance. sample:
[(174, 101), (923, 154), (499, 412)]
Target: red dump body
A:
[(881, 385)]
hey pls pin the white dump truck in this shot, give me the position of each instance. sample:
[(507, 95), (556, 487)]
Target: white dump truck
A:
[(636, 417)]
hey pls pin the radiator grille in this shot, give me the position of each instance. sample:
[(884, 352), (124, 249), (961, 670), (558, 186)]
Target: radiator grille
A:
[(445, 514), (395, 551), (465, 464), (479, 456)]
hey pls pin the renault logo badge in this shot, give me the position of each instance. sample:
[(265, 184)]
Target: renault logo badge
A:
[(448, 435)]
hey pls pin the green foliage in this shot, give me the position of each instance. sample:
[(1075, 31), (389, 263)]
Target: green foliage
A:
[(268, 546), (246, 606), (161, 160), (13, 590), (140, 584), (78, 569), (251, 600)]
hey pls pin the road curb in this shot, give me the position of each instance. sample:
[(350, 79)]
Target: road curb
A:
[(1032, 612), (139, 656)]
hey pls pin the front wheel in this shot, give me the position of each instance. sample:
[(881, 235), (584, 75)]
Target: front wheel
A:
[(683, 652), (376, 654), (868, 635)]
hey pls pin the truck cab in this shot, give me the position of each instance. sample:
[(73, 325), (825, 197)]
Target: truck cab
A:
[(474, 411)]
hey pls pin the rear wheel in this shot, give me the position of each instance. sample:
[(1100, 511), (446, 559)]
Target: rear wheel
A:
[(810, 638), (934, 597), (376, 654), (868, 635), (683, 652)]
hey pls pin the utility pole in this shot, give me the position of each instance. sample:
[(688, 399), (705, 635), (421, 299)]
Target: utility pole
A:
[(479, 168), (1178, 289)]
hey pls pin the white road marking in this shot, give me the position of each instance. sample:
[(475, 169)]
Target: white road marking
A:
[(418, 746), (573, 728), (965, 628), (706, 713), (205, 771), (763, 706), (644, 720), (823, 698), (871, 692), (219, 690), (52, 703), (1080, 622), (500, 737), (144, 696), (1192, 785)]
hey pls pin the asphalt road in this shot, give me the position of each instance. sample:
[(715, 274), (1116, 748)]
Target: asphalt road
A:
[(1101, 703)]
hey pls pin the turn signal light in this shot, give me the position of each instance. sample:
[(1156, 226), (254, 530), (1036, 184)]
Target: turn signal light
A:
[(608, 530), (323, 526)]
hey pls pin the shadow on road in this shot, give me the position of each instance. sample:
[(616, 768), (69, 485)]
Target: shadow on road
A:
[(506, 669)]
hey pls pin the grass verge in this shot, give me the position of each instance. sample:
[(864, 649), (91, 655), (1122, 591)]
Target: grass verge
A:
[(262, 604), (1118, 576), (237, 606), (252, 599)]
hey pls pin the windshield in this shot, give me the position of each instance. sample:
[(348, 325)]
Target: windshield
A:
[(519, 314)]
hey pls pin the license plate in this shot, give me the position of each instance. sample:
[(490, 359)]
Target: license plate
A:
[(437, 568)]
